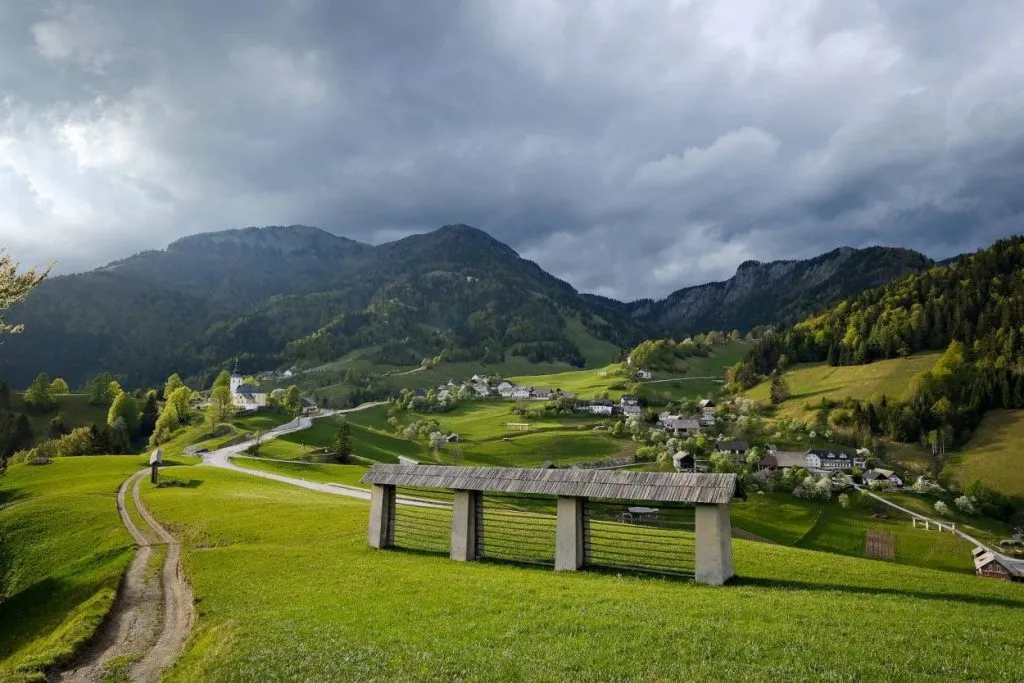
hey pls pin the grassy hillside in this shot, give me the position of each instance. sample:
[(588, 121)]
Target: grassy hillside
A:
[(61, 558), (993, 454), (694, 377), (315, 603), (815, 381), (75, 408)]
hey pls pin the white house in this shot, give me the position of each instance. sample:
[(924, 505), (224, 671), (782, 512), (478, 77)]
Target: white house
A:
[(681, 426), (828, 459), (249, 397), (632, 411), (644, 373), (628, 400), (878, 474), (505, 389), (600, 406), (522, 392)]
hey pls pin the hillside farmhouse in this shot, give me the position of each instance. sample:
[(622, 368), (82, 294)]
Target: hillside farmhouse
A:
[(878, 474), (644, 373), (734, 446), (681, 426), (780, 460), (994, 566)]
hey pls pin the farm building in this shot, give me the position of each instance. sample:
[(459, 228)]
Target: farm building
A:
[(995, 566), (878, 474), (734, 446), (780, 460), (832, 459)]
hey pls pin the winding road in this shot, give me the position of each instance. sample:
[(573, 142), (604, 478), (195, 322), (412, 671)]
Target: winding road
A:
[(222, 458)]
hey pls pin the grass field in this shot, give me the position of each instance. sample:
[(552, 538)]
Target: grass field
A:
[(288, 589), (986, 530), (815, 381), (564, 439), (843, 531), (367, 443), (323, 473), (993, 455), (75, 408), (62, 555), (693, 378)]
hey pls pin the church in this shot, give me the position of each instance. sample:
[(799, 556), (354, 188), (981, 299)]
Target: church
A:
[(246, 396)]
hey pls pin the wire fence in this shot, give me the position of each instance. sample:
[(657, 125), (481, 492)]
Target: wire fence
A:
[(632, 537), (516, 528), (426, 528)]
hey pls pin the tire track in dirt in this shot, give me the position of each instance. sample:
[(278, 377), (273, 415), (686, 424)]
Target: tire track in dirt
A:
[(150, 620)]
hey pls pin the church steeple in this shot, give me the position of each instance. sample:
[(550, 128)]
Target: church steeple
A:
[(236, 378)]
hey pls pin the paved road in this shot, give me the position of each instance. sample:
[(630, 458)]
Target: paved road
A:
[(222, 458)]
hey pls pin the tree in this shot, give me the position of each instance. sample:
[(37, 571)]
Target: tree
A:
[(222, 380), (844, 501), (38, 396), (57, 426), (99, 389), (118, 436), (437, 441), (15, 287), (343, 442), (293, 400), (222, 405), (173, 384), (125, 410), (181, 402), (166, 423), (964, 505), (59, 386), (150, 414), (941, 508), (779, 390)]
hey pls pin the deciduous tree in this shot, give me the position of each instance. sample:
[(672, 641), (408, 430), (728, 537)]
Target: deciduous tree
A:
[(15, 287), (126, 410), (59, 386), (38, 395)]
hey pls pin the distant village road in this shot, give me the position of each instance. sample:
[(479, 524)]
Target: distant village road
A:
[(222, 458)]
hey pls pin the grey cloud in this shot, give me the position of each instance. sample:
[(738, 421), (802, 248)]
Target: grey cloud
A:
[(629, 147)]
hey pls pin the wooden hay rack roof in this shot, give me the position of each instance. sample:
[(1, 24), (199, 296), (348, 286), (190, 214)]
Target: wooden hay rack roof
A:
[(705, 489)]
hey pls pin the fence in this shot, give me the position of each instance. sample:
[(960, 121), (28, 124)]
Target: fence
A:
[(567, 518)]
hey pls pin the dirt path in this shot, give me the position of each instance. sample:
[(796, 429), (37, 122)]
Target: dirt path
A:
[(152, 614)]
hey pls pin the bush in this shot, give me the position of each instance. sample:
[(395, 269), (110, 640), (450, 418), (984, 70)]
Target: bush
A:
[(844, 501), (941, 508), (964, 505)]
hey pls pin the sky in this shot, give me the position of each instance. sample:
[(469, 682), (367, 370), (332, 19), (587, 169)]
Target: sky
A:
[(631, 147)]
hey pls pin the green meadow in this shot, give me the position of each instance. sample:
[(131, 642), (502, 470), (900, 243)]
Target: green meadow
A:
[(288, 589), (993, 455), (62, 554), (815, 381)]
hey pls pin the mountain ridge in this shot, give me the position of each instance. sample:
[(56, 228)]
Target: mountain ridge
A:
[(299, 294)]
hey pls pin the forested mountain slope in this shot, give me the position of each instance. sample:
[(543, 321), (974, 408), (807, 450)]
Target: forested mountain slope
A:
[(973, 308), (278, 296), (779, 292), (285, 294)]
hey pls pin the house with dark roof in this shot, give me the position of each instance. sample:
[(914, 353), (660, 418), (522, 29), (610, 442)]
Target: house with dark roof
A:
[(780, 460), (832, 459), (879, 474), (992, 565), (681, 426), (734, 446)]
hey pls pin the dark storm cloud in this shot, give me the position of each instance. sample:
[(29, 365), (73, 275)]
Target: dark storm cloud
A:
[(629, 147)]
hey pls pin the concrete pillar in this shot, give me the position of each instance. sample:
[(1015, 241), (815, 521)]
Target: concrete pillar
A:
[(714, 545), (464, 509), (382, 516), (570, 536)]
